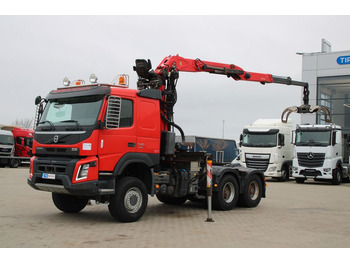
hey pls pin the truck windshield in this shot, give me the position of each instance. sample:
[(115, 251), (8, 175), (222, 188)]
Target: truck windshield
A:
[(6, 140), (259, 140), (312, 138), (72, 111)]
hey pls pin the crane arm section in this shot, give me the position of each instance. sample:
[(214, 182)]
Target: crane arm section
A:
[(196, 65)]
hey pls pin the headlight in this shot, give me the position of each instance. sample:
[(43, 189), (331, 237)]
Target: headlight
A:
[(83, 171), (272, 169), (326, 170)]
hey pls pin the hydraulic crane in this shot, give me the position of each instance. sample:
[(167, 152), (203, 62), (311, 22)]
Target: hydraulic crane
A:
[(165, 76)]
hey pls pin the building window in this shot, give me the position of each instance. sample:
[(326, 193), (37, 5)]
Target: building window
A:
[(334, 94)]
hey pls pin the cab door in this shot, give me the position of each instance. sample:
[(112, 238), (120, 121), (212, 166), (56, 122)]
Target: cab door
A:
[(119, 136), (148, 126)]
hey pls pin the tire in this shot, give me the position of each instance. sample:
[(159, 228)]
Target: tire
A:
[(284, 174), (14, 163), (336, 174), (300, 180), (171, 200), (130, 200), (252, 192), (227, 195), (68, 203)]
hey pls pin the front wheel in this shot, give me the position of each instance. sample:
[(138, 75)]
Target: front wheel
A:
[(300, 180), (68, 203), (284, 174), (227, 195), (252, 192), (130, 200), (15, 163), (336, 174)]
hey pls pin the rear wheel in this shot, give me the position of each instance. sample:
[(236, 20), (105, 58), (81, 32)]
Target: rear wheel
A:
[(130, 200), (252, 192), (68, 203), (227, 195)]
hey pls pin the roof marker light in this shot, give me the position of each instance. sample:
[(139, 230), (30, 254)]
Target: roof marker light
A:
[(79, 82), (93, 79), (121, 80), (66, 81)]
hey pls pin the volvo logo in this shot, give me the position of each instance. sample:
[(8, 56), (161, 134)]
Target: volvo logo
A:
[(310, 155), (55, 139)]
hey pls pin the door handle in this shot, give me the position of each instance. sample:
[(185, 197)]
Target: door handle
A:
[(131, 144)]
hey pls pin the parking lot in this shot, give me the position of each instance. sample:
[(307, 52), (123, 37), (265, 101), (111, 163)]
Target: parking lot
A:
[(293, 215)]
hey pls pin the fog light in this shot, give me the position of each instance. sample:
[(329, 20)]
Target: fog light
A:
[(83, 171), (295, 169), (326, 170)]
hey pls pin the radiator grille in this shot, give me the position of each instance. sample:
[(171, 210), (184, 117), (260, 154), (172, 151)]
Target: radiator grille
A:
[(260, 162), (311, 159)]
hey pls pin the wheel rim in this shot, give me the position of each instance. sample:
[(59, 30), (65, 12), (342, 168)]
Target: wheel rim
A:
[(133, 200), (228, 192), (253, 190)]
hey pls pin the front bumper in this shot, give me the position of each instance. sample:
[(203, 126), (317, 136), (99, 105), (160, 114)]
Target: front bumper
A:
[(319, 173), (56, 175), (61, 184)]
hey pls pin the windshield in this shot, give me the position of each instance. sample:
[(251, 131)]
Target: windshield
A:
[(259, 140), (72, 111), (313, 138), (6, 140)]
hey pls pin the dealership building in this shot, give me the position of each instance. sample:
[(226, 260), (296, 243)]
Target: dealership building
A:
[(328, 75)]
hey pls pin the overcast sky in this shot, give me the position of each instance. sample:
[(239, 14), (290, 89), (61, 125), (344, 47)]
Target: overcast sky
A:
[(37, 52)]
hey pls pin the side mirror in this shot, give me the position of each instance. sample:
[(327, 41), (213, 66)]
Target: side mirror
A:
[(240, 140), (280, 139), (37, 100), (334, 138)]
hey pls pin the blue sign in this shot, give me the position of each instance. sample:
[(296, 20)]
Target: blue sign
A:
[(343, 60)]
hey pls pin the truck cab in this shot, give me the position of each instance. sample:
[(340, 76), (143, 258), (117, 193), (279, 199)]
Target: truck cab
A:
[(266, 145), (6, 145), (89, 134), (318, 153)]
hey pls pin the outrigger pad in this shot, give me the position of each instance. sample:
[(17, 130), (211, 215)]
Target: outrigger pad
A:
[(306, 109)]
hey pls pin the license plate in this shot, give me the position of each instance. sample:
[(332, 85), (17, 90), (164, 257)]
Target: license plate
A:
[(48, 176)]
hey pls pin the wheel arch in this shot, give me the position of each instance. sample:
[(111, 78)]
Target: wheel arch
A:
[(287, 163), (138, 165)]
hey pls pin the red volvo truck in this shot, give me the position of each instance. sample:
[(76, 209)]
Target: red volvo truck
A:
[(116, 145)]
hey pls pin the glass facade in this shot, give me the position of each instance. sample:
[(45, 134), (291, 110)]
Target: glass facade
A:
[(334, 93)]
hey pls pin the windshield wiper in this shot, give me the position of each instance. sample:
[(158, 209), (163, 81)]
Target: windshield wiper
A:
[(72, 121), (49, 122)]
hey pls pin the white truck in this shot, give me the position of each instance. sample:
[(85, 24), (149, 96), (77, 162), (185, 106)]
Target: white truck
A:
[(7, 147), (319, 154), (266, 145)]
